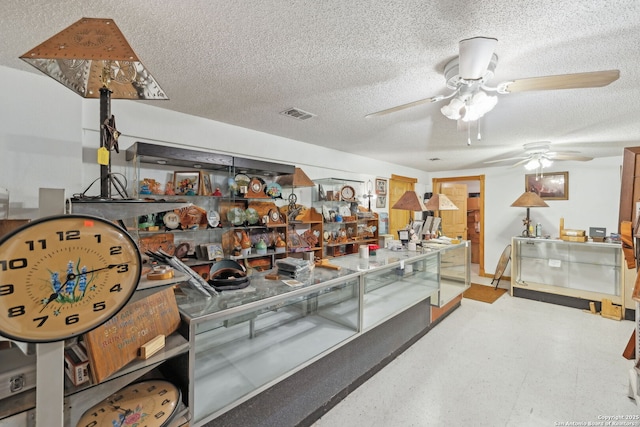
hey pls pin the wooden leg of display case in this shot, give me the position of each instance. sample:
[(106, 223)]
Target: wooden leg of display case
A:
[(629, 352), (50, 384)]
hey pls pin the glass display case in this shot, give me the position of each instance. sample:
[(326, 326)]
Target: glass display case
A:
[(586, 271), (242, 341), (396, 280)]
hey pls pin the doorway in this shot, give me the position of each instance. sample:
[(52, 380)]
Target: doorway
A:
[(477, 207)]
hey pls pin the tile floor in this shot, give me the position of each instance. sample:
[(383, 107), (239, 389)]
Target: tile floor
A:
[(516, 362)]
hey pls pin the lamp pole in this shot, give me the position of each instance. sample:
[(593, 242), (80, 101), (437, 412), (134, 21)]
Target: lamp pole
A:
[(105, 170)]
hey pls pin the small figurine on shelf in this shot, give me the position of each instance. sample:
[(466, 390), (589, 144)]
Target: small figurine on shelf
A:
[(261, 247), (245, 243), (280, 244), (168, 189), (237, 248), (217, 192)]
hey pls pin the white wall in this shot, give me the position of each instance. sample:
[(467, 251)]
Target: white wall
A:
[(49, 139), (594, 198)]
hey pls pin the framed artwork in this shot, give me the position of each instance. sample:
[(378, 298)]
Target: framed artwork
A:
[(550, 186), (381, 201), (381, 187), (206, 188), (186, 183)]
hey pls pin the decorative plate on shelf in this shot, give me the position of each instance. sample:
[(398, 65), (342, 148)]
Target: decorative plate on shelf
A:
[(213, 218), (171, 220), (251, 216), (273, 190), (236, 216)]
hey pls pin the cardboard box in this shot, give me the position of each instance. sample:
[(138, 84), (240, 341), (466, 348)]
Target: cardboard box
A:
[(574, 238), (76, 364), (569, 232)]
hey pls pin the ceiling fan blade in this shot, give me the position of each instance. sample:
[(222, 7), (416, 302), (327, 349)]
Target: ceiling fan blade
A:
[(568, 156), (507, 160), (562, 81), (474, 56), (403, 106)]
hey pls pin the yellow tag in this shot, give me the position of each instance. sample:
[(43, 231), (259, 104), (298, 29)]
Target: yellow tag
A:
[(103, 156)]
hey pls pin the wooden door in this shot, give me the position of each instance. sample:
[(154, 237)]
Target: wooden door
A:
[(454, 223), (398, 218)]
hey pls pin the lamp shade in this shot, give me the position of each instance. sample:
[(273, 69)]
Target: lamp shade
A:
[(529, 199), (90, 54), (297, 179), (440, 202), (410, 201)]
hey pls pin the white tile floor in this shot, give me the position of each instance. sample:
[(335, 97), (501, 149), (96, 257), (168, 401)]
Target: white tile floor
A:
[(516, 362)]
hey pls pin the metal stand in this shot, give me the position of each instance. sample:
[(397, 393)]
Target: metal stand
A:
[(50, 384)]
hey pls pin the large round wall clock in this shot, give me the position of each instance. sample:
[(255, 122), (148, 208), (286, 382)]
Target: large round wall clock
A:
[(62, 276), (150, 403)]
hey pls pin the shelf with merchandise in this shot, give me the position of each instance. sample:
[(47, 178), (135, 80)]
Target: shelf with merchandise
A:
[(230, 195)]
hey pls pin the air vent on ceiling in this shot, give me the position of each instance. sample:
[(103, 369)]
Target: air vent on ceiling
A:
[(297, 113)]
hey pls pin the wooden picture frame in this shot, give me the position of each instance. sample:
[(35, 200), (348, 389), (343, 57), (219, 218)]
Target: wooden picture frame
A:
[(186, 183), (550, 186), (206, 188), (381, 187)]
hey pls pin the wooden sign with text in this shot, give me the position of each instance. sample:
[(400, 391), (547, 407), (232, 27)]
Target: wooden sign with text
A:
[(116, 342)]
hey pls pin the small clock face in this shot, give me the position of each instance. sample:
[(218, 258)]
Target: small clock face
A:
[(274, 215), (150, 403), (62, 276), (347, 192)]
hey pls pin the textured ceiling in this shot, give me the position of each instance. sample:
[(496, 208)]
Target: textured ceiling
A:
[(242, 62)]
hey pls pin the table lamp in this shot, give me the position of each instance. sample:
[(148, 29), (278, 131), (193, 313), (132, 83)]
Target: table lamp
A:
[(92, 58), (529, 199), (440, 202)]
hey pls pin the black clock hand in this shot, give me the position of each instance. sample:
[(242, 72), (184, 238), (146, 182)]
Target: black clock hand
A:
[(73, 276), (52, 297)]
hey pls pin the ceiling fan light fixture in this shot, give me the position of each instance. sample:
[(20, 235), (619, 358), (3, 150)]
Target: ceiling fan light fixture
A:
[(453, 110), (532, 164), (545, 163)]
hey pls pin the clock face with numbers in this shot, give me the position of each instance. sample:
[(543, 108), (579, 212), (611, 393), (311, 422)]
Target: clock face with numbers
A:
[(62, 276), (150, 403)]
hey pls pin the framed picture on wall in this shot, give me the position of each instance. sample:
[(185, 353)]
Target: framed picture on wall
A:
[(381, 201), (381, 187), (186, 183), (550, 186)]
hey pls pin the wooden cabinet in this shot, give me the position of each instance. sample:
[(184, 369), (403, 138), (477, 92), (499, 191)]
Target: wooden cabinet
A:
[(346, 224)]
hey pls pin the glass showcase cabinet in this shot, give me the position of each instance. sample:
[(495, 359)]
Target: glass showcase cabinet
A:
[(570, 272), (245, 341)]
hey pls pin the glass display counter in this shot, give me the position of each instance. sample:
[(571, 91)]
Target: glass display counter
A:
[(245, 341), (581, 271)]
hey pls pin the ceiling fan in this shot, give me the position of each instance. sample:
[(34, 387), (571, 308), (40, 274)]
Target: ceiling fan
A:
[(467, 76), (538, 155)]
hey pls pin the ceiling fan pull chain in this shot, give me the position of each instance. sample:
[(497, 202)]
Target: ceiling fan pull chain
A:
[(479, 137), (469, 134)]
